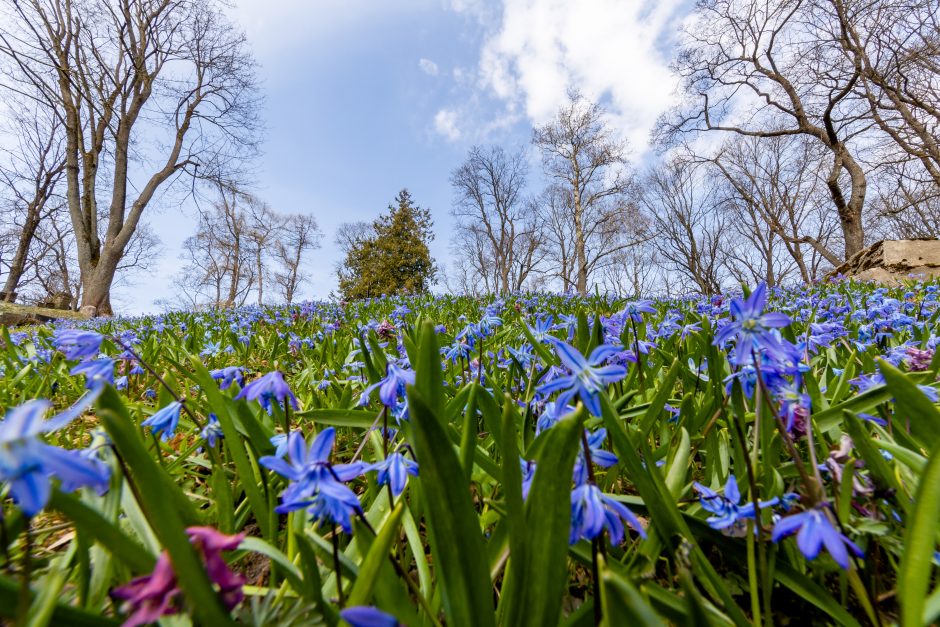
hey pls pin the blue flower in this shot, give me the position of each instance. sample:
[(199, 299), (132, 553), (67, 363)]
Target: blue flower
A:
[(604, 459), (279, 442), (588, 376), (391, 387), (228, 376), (267, 388), (634, 310), (814, 530), (27, 463), (212, 431), (552, 414), (394, 471), (750, 326), (315, 483), (96, 371), (364, 616), (528, 474), (728, 513), (77, 344), (165, 420), (592, 511)]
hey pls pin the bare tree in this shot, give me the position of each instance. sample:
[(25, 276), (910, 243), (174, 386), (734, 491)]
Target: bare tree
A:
[(588, 172), (496, 231), (220, 268), (299, 236), (772, 191), (895, 47), (765, 68), (29, 176), (689, 229), (120, 74), (265, 227)]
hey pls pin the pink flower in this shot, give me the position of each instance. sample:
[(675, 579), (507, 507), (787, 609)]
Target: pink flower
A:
[(155, 595)]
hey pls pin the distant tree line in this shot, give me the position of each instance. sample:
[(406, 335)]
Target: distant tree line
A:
[(805, 130), (117, 105)]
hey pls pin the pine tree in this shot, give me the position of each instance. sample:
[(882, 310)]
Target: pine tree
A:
[(394, 258)]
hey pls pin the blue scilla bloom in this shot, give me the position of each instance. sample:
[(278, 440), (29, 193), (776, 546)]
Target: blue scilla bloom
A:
[(267, 388), (587, 378), (552, 414), (279, 442), (165, 420), (365, 616), (316, 484), (528, 474), (604, 459), (77, 344), (634, 310), (728, 513), (592, 511), (813, 531), (394, 471), (228, 376), (27, 464), (212, 432), (750, 325), (96, 371), (391, 387), (458, 350), (543, 328)]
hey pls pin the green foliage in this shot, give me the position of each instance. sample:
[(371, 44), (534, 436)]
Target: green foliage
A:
[(394, 258)]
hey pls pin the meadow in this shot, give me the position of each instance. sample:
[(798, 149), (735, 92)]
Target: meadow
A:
[(756, 458)]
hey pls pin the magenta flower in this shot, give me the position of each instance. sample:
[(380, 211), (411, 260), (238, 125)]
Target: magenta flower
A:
[(157, 594)]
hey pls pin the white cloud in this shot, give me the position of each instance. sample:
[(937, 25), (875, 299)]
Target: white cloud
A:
[(445, 123), (428, 67), (605, 48)]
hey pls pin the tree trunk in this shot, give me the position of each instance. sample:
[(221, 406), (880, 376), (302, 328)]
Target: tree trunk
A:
[(18, 264)]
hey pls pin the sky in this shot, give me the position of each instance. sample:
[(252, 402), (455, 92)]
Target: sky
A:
[(364, 98)]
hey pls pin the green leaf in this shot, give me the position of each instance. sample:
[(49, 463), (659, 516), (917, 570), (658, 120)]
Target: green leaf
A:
[(103, 531), (655, 409), (920, 543), (456, 541), (912, 405), (548, 524), (60, 615), (622, 603), (375, 559), (285, 567), (358, 418), (159, 498)]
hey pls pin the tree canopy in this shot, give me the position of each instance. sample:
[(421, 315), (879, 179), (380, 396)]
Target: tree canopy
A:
[(392, 256)]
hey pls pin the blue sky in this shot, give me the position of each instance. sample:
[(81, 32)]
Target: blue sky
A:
[(364, 98)]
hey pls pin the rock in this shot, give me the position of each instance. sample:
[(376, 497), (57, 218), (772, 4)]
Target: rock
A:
[(12, 315), (893, 261)]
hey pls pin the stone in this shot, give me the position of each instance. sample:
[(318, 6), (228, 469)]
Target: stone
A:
[(893, 261)]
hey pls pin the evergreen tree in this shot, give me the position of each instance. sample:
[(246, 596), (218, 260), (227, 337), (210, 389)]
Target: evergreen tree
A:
[(393, 257)]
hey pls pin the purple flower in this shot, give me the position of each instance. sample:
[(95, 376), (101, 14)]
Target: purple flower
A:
[(269, 387), (157, 594), (27, 464), (814, 531), (394, 471), (750, 326), (364, 616), (77, 344), (587, 378), (592, 511), (164, 421)]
